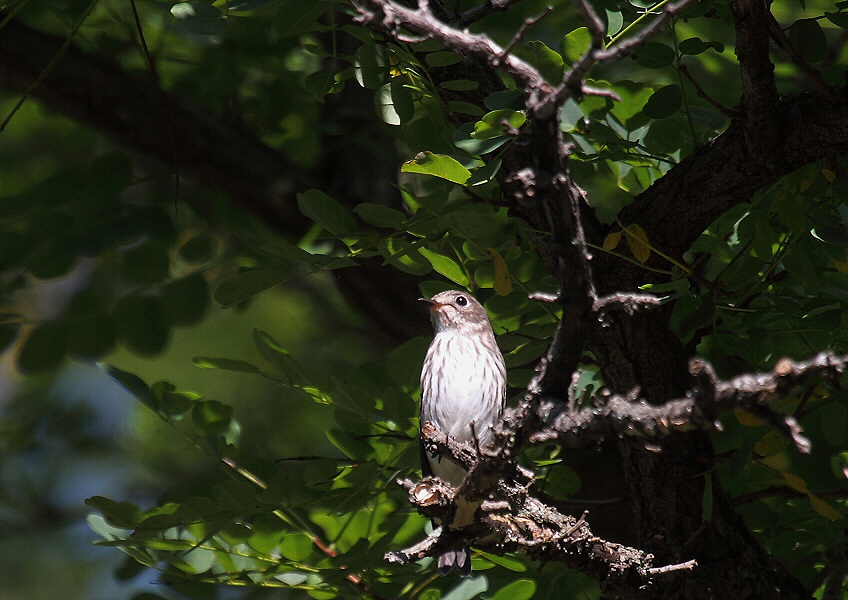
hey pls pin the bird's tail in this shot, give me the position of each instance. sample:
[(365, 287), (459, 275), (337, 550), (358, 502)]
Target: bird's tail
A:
[(455, 559)]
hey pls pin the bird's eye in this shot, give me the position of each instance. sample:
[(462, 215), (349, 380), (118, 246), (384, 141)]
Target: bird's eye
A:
[(461, 300)]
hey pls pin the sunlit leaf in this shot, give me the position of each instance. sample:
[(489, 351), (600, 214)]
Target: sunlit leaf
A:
[(575, 44), (520, 589), (437, 165), (497, 123), (211, 417), (226, 364), (446, 266)]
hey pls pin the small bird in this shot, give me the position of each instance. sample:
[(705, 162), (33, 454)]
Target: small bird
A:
[(463, 382)]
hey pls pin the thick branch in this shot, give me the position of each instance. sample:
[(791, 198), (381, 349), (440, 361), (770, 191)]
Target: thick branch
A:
[(728, 171), (395, 19), (513, 521), (698, 409), (97, 92), (759, 90)]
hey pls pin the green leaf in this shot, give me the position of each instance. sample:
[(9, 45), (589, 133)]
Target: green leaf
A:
[(142, 324), (807, 37), (43, 349), (694, 45), (664, 102), (472, 221), (615, 21), (174, 405), (485, 173), (293, 17), (446, 266), (505, 99), (211, 417), (199, 249), (404, 256), (464, 108), (520, 589), (498, 123), (468, 588), (575, 44), (91, 336), (352, 447), (186, 300), (147, 264), (325, 211), (119, 514), (437, 165), (840, 19), (463, 137), (393, 102), (371, 66), (654, 55), (226, 364), (248, 284), (296, 546), (507, 562), (379, 215), (442, 59), (546, 61), (132, 383)]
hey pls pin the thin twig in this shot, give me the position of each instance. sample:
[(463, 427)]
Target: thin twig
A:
[(685, 566), (484, 9), (728, 112), (519, 35), (777, 34)]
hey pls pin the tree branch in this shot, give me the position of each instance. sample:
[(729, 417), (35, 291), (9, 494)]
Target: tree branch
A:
[(508, 518)]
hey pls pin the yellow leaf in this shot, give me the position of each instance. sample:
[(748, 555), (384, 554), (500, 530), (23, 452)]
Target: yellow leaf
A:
[(503, 283), (747, 419), (637, 239), (842, 267), (808, 182), (611, 241), (823, 508), (770, 444), (829, 175), (795, 482)]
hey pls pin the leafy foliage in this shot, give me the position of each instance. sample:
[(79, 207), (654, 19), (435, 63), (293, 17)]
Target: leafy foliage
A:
[(767, 279)]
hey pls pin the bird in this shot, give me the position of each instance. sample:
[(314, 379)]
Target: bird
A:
[(463, 390)]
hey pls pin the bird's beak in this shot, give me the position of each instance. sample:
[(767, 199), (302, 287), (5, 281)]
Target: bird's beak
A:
[(430, 302)]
